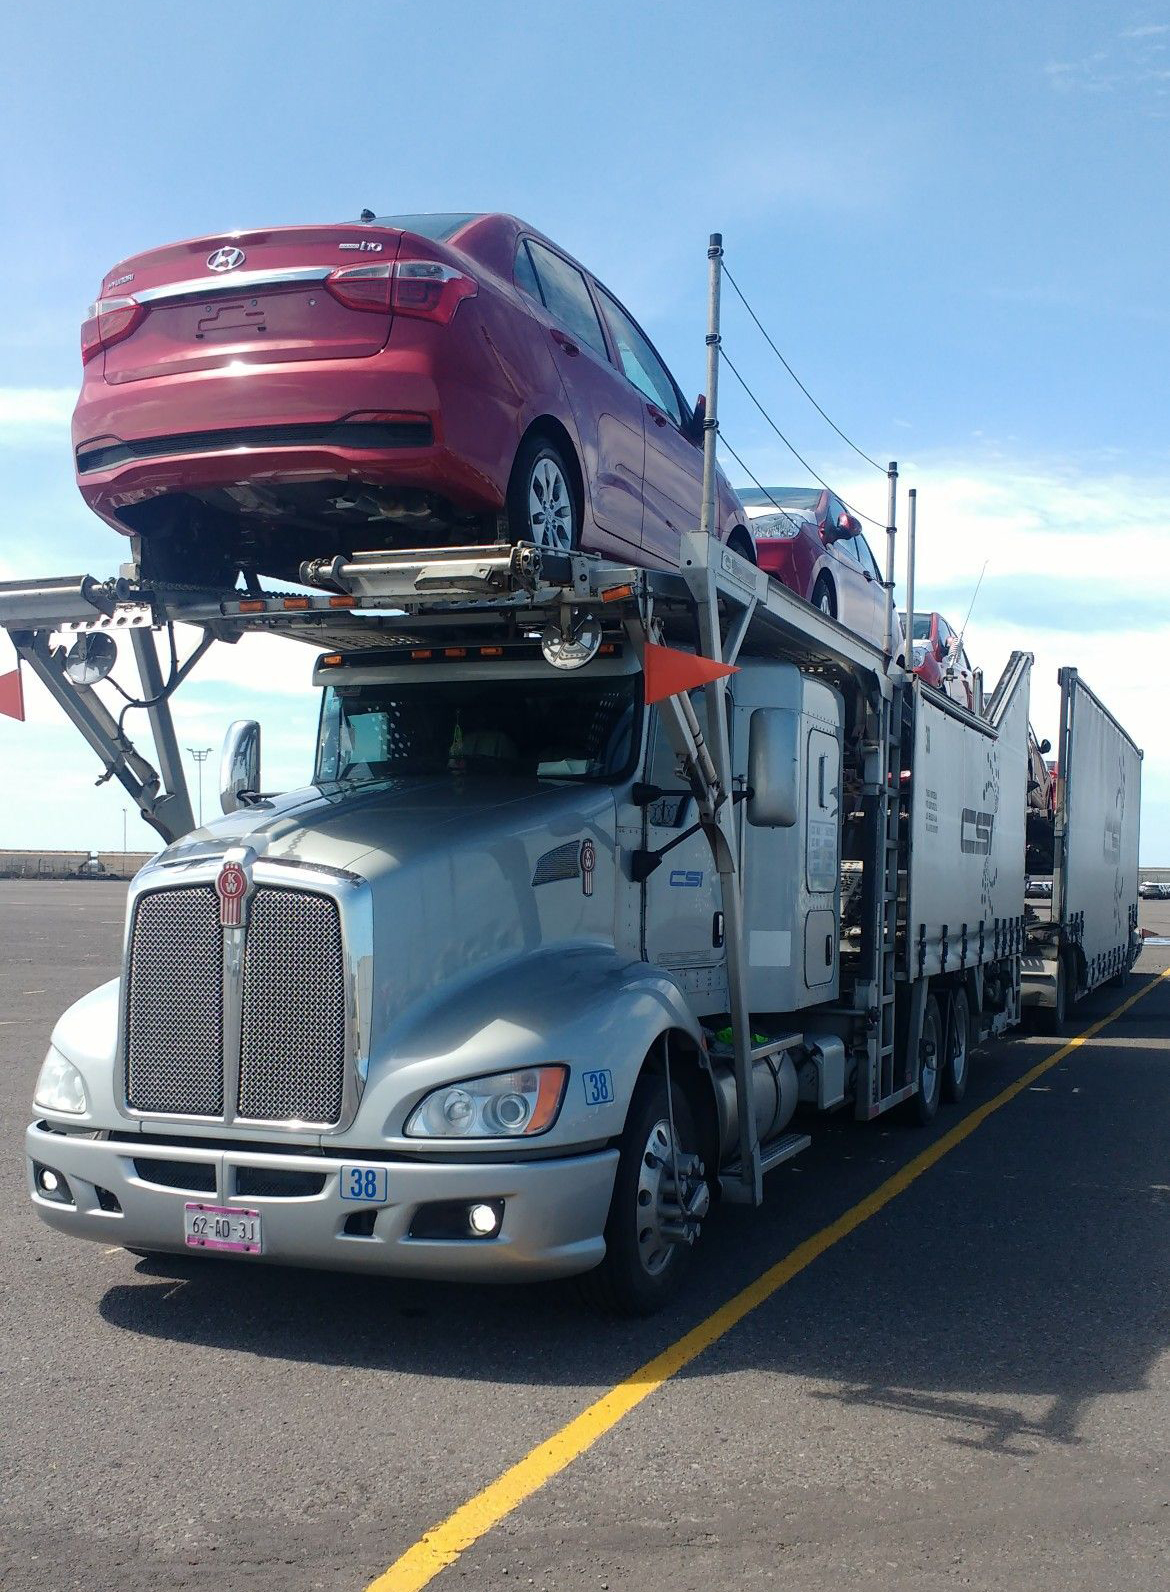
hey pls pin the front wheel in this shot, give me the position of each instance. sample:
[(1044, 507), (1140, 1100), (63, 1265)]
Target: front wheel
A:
[(542, 506), (646, 1259)]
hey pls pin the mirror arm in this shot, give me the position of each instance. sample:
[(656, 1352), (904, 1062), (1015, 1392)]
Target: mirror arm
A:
[(643, 862)]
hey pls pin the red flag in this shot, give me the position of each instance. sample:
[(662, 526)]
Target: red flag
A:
[(12, 695), (669, 672)]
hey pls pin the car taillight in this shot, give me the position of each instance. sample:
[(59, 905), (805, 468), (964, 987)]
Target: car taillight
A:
[(429, 289), (108, 321), (425, 288)]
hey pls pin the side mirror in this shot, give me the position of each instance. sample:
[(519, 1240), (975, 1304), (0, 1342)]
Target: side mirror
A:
[(773, 768), (239, 767), (698, 421), (1045, 747)]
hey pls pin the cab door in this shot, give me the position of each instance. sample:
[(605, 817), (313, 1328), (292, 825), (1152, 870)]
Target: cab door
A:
[(682, 902)]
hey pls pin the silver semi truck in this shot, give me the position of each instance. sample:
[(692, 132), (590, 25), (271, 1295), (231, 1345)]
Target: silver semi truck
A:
[(556, 947)]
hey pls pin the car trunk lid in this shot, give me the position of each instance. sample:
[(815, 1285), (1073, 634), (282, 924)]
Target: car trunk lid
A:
[(248, 298)]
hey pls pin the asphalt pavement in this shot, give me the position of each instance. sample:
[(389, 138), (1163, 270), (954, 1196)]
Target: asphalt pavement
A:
[(971, 1389)]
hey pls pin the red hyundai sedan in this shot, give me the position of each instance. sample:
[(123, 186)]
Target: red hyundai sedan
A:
[(253, 400)]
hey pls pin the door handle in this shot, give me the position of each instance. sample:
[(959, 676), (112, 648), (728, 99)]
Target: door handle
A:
[(656, 415), (566, 343)]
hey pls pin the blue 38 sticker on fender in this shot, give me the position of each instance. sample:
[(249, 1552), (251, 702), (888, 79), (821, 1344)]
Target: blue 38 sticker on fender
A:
[(370, 1184), (598, 1087)]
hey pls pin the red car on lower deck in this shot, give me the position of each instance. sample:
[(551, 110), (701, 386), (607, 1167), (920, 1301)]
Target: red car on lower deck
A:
[(255, 399)]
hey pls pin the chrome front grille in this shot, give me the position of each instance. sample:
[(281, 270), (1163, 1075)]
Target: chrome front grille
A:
[(292, 1051), (286, 1001), (174, 1005)]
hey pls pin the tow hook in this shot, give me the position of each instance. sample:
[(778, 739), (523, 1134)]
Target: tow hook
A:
[(682, 1208)]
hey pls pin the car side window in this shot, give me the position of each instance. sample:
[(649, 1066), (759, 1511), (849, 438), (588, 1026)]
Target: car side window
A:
[(865, 553), (566, 297), (524, 274), (847, 547), (640, 363)]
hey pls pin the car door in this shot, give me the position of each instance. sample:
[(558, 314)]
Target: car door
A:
[(608, 415), (854, 601), (673, 491), (872, 576)]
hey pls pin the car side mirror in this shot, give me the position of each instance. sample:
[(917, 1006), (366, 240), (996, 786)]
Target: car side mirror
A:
[(239, 767), (1045, 748), (697, 424), (847, 525), (773, 768)]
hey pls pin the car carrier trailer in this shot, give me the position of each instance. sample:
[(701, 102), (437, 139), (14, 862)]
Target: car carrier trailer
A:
[(1087, 933), (435, 1027)]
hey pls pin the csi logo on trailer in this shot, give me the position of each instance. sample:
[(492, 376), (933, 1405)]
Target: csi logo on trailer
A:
[(975, 831)]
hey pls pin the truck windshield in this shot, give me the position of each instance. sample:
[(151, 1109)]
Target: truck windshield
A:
[(537, 728)]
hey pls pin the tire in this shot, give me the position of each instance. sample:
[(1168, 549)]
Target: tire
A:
[(1053, 1020), (638, 1275), (924, 1105), (957, 1066), (740, 542), (824, 597), (542, 503)]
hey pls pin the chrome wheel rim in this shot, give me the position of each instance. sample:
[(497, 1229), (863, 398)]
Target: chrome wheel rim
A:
[(930, 1074), (655, 1188), (826, 604), (550, 506), (959, 1049)]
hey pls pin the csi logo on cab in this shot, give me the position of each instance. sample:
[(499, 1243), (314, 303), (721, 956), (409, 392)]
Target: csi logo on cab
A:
[(686, 878)]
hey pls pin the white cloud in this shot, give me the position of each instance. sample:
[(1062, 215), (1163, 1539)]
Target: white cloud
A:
[(35, 416)]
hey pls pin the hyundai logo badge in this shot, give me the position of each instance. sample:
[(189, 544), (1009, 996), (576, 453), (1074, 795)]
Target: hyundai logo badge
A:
[(225, 259)]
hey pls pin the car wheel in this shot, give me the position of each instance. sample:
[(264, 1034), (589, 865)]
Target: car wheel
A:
[(740, 542), (644, 1265), (824, 597), (542, 507)]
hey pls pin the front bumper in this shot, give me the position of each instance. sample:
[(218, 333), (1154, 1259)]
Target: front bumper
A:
[(554, 1210)]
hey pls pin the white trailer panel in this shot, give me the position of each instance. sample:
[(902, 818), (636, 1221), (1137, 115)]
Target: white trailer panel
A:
[(968, 801), (1095, 879)]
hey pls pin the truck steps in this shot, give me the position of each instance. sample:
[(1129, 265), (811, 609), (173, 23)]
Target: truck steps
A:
[(771, 1155)]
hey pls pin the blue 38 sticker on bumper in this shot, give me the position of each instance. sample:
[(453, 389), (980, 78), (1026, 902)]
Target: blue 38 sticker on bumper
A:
[(369, 1184), (598, 1087)]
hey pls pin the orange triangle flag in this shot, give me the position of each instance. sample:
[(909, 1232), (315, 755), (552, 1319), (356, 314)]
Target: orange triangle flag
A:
[(12, 695), (669, 672)]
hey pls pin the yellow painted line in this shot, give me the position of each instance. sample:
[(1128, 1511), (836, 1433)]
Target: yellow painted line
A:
[(444, 1543)]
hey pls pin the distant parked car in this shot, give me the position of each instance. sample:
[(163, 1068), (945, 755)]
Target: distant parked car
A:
[(253, 399), (1038, 888), (1154, 890), (941, 659), (806, 538)]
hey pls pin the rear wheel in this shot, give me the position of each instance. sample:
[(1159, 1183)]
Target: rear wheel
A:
[(740, 542), (958, 1062), (645, 1261), (542, 505), (930, 1064), (824, 597)]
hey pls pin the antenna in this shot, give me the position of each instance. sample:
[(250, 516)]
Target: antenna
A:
[(959, 644)]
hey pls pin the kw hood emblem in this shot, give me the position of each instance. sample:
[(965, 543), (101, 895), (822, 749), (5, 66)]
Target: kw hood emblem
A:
[(233, 885), (225, 259)]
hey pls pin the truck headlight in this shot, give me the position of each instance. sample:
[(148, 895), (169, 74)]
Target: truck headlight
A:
[(506, 1105), (60, 1086)]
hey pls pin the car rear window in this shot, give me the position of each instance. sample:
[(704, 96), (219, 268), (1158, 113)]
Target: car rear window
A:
[(438, 227)]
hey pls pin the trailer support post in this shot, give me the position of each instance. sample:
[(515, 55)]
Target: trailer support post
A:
[(891, 537)]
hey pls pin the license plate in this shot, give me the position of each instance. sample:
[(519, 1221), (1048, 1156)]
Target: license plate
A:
[(369, 1184), (222, 1227)]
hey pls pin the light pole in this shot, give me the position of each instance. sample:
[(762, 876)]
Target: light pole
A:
[(200, 754)]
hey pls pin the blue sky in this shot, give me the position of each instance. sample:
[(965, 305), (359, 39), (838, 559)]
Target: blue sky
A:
[(953, 220)]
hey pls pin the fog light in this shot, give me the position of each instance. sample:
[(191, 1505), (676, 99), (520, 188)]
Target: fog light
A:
[(50, 1182), (482, 1220)]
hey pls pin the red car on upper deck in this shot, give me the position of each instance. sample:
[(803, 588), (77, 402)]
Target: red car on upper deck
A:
[(255, 399)]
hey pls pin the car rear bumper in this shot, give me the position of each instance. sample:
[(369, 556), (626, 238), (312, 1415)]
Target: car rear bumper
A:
[(553, 1219), (379, 421)]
